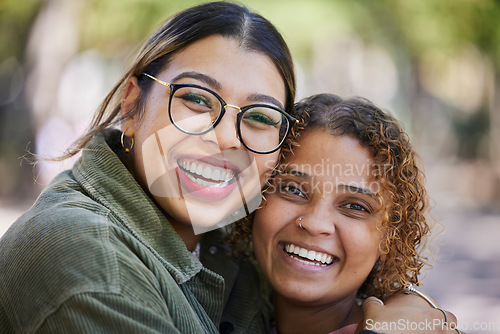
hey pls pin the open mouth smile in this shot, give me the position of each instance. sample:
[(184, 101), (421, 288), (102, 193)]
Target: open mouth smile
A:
[(207, 175), (308, 256), (208, 178)]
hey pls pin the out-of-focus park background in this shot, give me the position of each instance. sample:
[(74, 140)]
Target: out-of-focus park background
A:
[(434, 63)]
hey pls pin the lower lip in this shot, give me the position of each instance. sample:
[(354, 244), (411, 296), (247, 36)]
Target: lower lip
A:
[(205, 193), (302, 266)]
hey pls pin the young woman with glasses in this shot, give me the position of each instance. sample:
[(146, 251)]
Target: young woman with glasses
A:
[(116, 244)]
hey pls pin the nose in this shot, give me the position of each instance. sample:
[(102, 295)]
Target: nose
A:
[(225, 133), (318, 222)]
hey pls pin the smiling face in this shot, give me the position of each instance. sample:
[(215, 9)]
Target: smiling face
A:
[(202, 179), (328, 184)]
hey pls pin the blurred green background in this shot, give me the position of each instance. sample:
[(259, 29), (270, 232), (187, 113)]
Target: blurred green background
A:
[(435, 64)]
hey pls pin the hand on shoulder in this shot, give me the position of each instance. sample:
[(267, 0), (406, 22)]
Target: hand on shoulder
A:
[(405, 313)]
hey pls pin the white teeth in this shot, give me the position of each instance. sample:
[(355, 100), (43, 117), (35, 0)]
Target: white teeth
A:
[(199, 170), (215, 174), (311, 255), (207, 172), (303, 252), (222, 175), (205, 183), (218, 174), (192, 168), (309, 263)]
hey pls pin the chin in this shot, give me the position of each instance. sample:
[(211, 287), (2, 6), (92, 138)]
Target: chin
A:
[(300, 294)]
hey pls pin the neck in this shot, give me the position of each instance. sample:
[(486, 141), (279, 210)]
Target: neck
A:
[(187, 235), (185, 231), (297, 318)]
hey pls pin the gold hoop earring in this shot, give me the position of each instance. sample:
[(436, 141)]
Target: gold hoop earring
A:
[(127, 149)]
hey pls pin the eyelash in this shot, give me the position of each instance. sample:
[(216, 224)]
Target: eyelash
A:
[(290, 190), (358, 206)]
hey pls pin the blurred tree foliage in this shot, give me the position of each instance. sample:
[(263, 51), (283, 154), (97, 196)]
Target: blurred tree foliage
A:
[(16, 18), (16, 131), (417, 25)]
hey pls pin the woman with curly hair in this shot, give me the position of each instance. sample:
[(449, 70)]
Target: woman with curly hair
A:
[(343, 219)]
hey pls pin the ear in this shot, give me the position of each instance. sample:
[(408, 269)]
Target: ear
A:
[(129, 102)]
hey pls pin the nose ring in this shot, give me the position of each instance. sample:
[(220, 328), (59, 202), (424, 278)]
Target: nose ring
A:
[(300, 219)]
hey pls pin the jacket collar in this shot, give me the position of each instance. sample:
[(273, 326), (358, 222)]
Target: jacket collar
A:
[(103, 175)]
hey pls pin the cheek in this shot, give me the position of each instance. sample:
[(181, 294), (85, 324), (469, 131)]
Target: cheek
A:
[(266, 224), (156, 130), (362, 244), (260, 229), (265, 164), (260, 235), (155, 114)]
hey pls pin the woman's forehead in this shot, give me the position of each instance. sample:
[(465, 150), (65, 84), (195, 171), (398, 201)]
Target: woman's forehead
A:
[(318, 146), (232, 66)]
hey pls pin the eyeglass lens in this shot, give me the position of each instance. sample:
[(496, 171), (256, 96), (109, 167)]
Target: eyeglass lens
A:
[(194, 110)]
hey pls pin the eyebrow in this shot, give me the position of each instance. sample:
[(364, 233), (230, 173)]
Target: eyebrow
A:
[(267, 99), (359, 190), (294, 172), (216, 85)]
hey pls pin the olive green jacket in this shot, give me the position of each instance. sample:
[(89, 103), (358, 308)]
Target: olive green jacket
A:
[(95, 255)]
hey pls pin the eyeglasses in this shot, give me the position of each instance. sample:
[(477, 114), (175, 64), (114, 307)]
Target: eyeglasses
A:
[(196, 110)]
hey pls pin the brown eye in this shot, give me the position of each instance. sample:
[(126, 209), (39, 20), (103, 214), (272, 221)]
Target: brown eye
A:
[(291, 190), (355, 206), (195, 100)]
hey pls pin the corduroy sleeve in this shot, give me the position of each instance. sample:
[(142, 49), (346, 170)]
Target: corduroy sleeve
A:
[(105, 313)]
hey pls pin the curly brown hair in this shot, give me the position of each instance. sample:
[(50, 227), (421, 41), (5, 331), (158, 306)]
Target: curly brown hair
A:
[(395, 166)]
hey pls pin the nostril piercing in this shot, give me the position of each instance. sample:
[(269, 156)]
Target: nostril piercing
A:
[(300, 219)]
